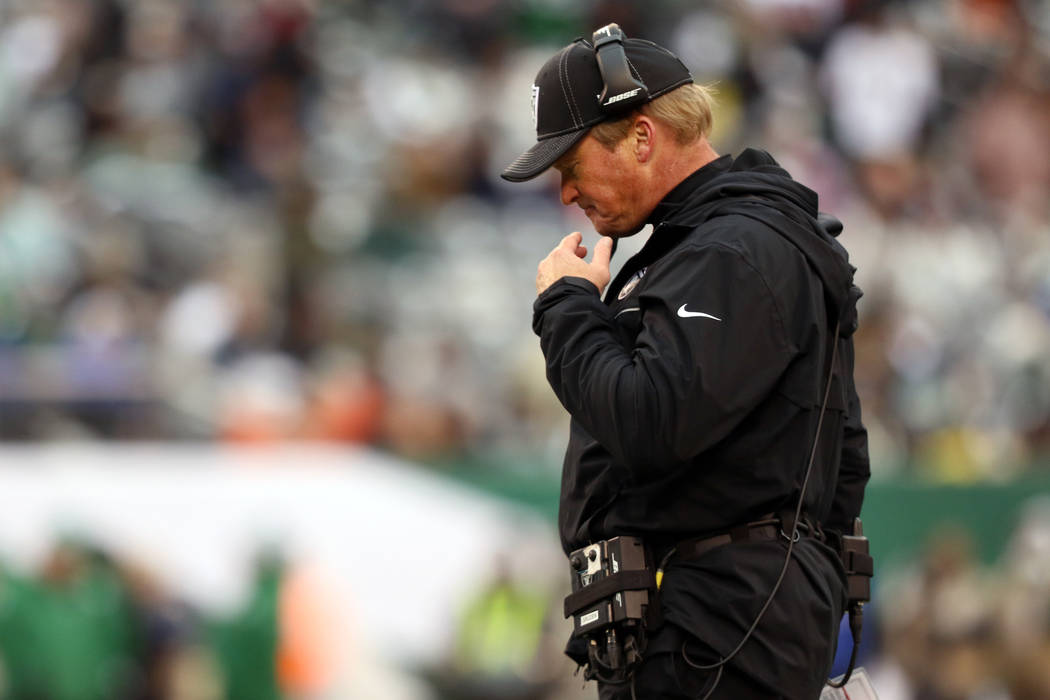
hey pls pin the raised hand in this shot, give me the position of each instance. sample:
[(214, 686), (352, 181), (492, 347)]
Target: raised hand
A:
[(568, 259)]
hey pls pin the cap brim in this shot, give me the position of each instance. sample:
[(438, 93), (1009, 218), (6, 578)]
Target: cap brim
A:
[(541, 156)]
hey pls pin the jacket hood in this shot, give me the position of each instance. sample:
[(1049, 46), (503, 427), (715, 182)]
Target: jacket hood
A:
[(756, 186)]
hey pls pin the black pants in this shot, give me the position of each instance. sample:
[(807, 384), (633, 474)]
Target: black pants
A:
[(667, 676)]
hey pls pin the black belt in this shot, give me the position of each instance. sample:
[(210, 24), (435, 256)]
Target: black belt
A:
[(769, 527)]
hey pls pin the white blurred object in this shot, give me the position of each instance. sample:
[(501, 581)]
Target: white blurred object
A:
[(416, 101), (401, 547), (199, 319), (1028, 555), (858, 688), (32, 47), (262, 391), (882, 83), (37, 256), (707, 43)]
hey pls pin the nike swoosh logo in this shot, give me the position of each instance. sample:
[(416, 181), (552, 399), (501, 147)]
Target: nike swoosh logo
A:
[(690, 314)]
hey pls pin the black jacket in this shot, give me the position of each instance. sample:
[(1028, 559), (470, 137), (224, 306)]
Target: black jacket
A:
[(695, 391)]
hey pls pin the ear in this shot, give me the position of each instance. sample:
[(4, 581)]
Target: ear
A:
[(644, 133)]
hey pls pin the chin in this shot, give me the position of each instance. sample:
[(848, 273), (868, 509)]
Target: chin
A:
[(618, 230)]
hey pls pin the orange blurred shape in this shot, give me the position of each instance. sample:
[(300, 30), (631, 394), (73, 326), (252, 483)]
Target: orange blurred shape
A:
[(247, 424), (308, 648), (347, 408)]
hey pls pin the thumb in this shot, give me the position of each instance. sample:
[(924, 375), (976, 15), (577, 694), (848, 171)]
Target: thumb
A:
[(603, 252)]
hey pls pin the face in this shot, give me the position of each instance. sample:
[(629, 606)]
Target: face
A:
[(606, 184)]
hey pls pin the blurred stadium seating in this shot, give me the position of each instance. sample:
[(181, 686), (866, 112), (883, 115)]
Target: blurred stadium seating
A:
[(256, 222)]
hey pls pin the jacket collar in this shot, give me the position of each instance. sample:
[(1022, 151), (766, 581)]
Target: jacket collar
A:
[(670, 234), (684, 190)]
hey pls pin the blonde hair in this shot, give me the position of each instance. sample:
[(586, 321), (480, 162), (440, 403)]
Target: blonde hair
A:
[(686, 110)]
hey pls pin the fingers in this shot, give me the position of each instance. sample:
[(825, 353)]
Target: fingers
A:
[(603, 252), (572, 241), (559, 263)]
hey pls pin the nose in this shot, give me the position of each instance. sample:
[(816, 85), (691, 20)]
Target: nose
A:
[(569, 193)]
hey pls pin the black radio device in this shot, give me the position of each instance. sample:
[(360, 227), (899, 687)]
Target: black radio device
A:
[(612, 582), (859, 566)]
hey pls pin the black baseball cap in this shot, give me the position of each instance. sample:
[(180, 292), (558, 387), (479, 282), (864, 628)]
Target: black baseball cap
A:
[(568, 92)]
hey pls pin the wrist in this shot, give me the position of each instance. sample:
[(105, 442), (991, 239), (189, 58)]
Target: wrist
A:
[(573, 282)]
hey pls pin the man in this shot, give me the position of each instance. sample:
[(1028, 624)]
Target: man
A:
[(713, 408)]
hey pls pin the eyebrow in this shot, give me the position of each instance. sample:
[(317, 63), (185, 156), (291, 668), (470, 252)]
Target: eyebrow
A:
[(567, 162)]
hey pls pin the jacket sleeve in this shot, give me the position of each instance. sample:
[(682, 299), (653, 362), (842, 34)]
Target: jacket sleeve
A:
[(854, 468), (688, 379)]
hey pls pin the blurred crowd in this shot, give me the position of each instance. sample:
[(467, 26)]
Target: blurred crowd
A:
[(87, 624), (952, 628), (268, 220), (257, 220)]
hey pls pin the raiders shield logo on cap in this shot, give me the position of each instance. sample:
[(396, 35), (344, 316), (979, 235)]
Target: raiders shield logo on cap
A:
[(535, 106)]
